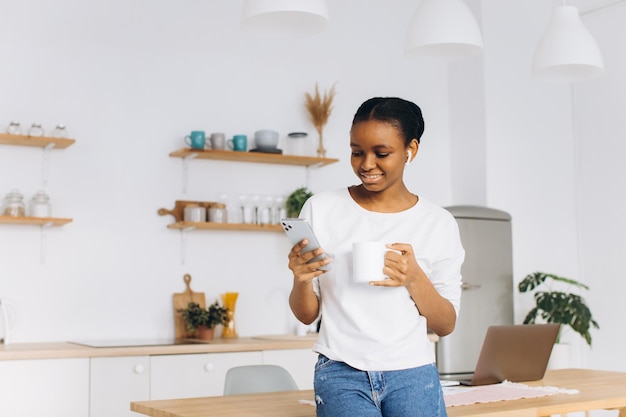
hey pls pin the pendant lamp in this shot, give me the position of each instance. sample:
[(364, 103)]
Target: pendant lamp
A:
[(443, 29), (284, 18), (567, 51)]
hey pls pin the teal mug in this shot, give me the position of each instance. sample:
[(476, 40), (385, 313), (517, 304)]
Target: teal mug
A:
[(238, 143), (196, 139)]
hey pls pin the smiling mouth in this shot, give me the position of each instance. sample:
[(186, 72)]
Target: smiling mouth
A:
[(371, 178)]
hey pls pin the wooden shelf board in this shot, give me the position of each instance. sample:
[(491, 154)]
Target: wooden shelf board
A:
[(36, 141), (268, 158), (226, 226), (36, 221)]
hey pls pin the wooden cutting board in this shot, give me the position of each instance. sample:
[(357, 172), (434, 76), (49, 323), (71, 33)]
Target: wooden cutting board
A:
[(179, 208), (180, 301)]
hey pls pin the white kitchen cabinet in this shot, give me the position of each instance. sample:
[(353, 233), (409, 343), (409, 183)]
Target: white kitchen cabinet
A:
[(299, 362), (115, 382), (194, 375), (44, 387)]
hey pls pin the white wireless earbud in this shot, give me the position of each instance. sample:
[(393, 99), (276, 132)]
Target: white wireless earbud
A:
[(408, 158)]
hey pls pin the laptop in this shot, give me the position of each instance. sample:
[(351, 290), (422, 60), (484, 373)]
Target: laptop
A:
[(514, 353)]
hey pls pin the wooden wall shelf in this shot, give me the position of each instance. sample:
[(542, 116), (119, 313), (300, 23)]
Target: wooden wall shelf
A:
[(226, 226), (268, 158), (36, 221), (36, 141)]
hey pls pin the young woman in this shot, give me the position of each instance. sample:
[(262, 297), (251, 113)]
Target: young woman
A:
[(375, 358)]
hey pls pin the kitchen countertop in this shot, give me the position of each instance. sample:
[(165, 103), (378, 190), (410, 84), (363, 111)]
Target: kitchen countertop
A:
[(58, 350), (66, 350)]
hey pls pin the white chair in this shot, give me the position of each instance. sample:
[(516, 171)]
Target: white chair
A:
[(252, 379)]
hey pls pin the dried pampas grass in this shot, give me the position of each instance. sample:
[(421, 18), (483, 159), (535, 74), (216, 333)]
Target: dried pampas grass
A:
[(319, 108)]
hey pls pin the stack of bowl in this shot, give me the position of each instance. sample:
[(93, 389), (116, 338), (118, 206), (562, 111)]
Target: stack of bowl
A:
[(266, 141)]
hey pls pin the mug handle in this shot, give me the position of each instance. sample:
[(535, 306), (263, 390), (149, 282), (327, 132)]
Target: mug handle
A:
[(230, 144), (10, 312), (188, 140)]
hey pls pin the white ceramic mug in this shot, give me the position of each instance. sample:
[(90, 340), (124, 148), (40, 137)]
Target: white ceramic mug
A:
[(368, 261), (218, 141)]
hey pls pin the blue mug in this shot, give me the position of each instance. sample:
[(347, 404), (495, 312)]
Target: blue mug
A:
[(238, 143), (196, 139)]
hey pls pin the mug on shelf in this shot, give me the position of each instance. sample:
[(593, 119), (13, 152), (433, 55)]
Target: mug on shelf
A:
[(217, 141), (196, 139), (238, 143)]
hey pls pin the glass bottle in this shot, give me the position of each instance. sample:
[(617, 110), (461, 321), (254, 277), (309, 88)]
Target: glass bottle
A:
[(59, 132), (40, 205), (229, 300), (35, 130), (14, 128), (14, 204)]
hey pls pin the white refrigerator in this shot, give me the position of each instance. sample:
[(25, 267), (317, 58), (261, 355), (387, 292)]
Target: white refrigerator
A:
[(487, 296)]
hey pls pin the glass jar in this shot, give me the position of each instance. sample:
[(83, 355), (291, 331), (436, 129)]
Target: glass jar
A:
[(59, 132), (14, 128), (35, 130), (14, 204), (298, 144), (40, 205)]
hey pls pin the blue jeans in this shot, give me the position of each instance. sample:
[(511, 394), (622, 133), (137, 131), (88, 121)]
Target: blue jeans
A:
[(342, 391)]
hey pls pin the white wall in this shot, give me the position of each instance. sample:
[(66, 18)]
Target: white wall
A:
[(554, 162), (130, 79), (599, 122)]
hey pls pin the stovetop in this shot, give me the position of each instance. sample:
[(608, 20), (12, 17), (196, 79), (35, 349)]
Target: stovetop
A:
[(131, 342)]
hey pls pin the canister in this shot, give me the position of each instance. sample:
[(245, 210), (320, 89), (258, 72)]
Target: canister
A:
[(217, 213), (194, 213), (14, 204), (40, 205)]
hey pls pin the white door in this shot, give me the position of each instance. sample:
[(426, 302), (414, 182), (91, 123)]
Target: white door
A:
[(44, 387), (194, 375), (116, 382)]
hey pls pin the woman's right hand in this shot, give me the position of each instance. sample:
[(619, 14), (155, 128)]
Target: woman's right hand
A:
[(303, 271)]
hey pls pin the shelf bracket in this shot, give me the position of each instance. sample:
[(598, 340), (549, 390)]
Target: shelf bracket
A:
[(186, 170), (45, 165)]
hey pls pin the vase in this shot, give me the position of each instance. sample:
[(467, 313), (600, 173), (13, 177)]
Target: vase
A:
[(321, 151), (229, 300), (205, 333)]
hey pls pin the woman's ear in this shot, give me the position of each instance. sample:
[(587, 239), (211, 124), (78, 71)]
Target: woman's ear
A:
[(411, 151)]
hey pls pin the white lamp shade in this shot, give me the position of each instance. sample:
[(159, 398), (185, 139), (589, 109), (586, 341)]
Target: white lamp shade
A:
[(567, 51), (444, 29), (284, 18)]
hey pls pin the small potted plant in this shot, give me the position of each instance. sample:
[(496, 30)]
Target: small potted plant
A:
[(202, 321), (296, 200), (558, 307)]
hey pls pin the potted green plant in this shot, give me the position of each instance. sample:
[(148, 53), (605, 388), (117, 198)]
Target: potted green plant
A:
[(296, 200), (202, 321), (553, 306)]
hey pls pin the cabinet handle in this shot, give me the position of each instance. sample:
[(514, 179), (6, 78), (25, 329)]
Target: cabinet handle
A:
[(209, 367), (139, 369), (466, 286)]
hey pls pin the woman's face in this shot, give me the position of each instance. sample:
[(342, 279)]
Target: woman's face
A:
[(378, 154)]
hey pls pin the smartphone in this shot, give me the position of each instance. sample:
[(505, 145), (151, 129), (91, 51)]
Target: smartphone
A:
[(298, 229)]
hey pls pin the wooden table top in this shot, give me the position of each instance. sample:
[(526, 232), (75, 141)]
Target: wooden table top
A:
[(598, 390)]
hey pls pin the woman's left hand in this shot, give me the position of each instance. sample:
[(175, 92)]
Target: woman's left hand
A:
[(402, 270), (400, 266)]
